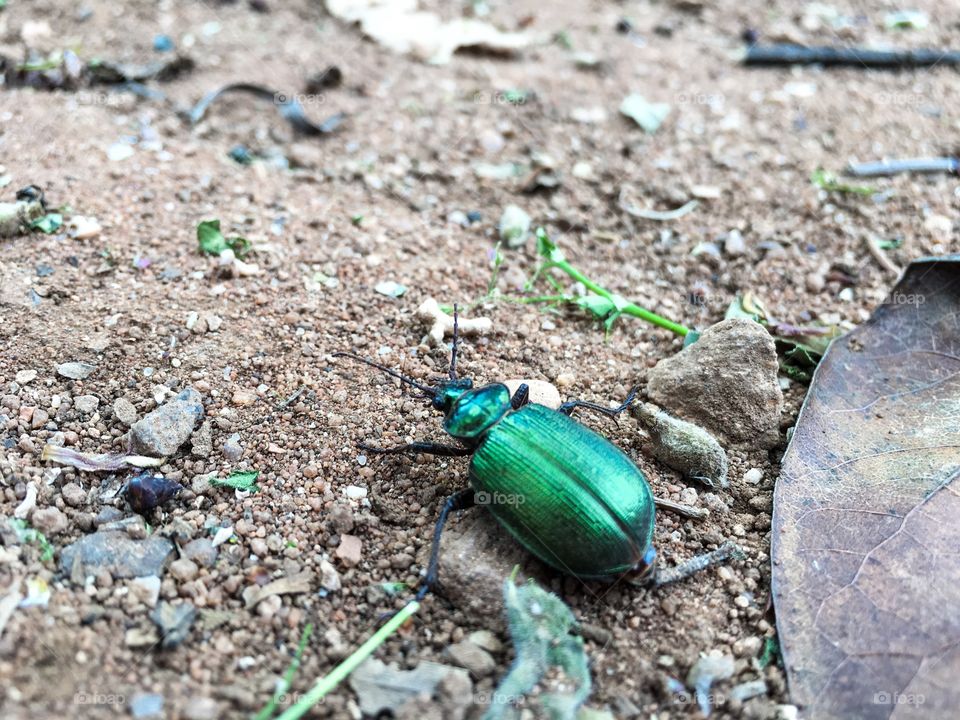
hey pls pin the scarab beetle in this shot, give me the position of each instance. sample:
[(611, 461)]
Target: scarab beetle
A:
[(567, 494)]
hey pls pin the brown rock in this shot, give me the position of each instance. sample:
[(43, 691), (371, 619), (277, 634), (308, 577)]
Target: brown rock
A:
[(725, 382), (350, 550)]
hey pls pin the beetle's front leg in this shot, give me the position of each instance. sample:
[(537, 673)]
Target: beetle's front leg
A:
[(428, 448), (696, 564), (458, 501), (568, 407)]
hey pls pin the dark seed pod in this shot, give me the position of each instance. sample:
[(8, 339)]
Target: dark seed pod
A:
[(146, 491)]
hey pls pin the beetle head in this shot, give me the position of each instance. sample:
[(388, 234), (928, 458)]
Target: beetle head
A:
[(449, 392)]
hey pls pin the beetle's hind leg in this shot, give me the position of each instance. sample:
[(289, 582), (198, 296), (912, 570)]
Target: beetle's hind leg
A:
[(568, 407), (697, 564), (458, 501), (428, 448)]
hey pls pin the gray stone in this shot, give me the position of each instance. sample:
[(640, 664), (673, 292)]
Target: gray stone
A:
[(201, 551), (86, 403), (726, 382), (49, 520), (162, 431), (174, 622), (146, 589), (201, 441), (472, 657), (124, 411), (75, 370), (118, 553)]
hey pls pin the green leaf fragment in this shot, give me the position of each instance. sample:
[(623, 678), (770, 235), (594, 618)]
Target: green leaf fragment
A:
[(543, 631), (28, 535), (245, 481), (48, 224), (212, 241), (828, 181)]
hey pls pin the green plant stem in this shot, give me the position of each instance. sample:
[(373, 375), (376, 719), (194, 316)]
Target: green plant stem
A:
[(284, 685), (628, 309), (329, 681)]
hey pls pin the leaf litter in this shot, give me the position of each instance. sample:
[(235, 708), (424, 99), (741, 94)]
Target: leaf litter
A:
[(865, 579)]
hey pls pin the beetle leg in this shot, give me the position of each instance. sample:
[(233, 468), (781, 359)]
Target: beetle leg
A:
[(696, 564), (428, 448), (568, 407), (458, 501), (521, 397)]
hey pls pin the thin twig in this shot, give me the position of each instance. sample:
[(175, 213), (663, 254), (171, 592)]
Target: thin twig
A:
[(660, 215), (686, 510), (884, 168), (873, 245)]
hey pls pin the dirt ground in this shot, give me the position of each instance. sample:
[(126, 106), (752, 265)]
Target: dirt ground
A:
[(381, 199)]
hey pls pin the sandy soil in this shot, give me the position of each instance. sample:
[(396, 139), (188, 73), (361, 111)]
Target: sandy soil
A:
[(404, 161)]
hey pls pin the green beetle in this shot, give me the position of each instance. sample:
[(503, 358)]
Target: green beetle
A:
[(568, 495)]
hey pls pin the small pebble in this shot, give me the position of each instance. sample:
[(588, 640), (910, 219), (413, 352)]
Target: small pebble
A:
[(49, 521), (753, 476), (350, 550), (25, 376), (86, 403), (124, 411), (73, 495)]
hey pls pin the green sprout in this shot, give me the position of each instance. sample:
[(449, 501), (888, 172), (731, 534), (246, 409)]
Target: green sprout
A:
[(29, 535), (603, 304), (826, 180), (213, 242), (283, 685)]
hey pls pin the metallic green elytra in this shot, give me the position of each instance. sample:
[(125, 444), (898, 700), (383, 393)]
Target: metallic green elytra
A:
[(569, 496)]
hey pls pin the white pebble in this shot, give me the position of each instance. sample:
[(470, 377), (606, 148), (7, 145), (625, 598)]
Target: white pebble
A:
[(753, 476)]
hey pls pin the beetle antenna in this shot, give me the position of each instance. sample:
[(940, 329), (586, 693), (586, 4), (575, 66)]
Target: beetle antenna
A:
[(456, 341), (429, 391)]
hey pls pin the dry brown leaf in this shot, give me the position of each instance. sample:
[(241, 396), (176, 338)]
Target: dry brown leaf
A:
[(866, 527)]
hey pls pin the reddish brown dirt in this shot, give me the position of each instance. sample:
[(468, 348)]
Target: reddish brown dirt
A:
[(404, 161)]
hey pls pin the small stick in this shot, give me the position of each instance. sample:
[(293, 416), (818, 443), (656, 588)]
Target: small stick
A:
[(787, 54), (685, 510), (661, 215), (873, 245), (696, 564), (884, 168)]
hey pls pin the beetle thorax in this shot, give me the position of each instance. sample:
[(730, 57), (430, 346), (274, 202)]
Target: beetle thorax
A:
[(475, 411)]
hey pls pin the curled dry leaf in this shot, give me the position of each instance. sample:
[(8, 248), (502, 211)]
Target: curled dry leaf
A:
[(866, 574)]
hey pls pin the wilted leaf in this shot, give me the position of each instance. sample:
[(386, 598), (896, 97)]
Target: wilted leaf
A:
[(542, 628), (866, 571)]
